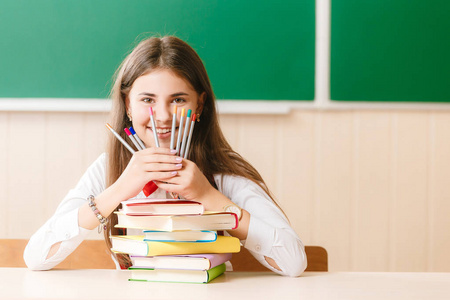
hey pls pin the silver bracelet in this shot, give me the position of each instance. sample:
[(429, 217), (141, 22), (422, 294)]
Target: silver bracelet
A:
[(92, 205)]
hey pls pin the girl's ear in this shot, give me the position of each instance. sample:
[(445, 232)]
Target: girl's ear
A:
[(201, 102)]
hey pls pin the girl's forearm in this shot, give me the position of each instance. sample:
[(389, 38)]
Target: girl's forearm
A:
[(106, 202), (215, 201)]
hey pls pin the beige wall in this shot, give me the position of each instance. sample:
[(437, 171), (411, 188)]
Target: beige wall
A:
[(370, 186)]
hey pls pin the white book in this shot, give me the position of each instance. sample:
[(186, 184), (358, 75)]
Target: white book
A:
[(206, 221)]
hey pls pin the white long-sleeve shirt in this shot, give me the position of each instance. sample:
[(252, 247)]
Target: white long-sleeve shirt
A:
[(269, 232)]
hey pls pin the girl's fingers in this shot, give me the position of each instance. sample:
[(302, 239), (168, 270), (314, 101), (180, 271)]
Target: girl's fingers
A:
[(166, 185), (155, 150), (163, 176), (159, 167), (174, 180), (176, 183), (156, 158)]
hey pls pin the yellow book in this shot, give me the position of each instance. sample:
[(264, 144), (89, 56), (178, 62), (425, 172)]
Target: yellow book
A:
[(135, 245)]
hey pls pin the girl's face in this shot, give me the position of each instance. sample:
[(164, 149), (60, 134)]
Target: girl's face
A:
[(161, 90)]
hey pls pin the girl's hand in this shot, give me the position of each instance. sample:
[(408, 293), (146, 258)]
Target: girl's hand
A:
[(190, 182), (146, 165)]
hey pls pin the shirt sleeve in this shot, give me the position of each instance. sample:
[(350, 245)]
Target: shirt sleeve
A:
[(63, 225), (269, 232)]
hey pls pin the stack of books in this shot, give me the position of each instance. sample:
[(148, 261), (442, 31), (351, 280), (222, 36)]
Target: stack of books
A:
[(179, 241)]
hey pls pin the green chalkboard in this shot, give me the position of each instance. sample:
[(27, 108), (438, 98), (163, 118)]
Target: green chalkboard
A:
[(71, 48), (390, 50)]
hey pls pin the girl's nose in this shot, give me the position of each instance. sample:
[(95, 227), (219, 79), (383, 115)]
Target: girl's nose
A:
[(162, 114)]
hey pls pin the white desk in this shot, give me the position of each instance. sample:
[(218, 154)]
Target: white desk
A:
[(19, 283)]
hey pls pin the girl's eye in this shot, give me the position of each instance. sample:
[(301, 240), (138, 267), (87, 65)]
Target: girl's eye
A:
[(178, 100), (148, 100)]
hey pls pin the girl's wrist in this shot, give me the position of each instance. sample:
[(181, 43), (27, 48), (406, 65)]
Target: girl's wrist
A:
[(206, 196), (214, 200), (117, 193)]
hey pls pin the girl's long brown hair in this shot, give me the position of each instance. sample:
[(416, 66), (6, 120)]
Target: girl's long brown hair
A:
[(210, 150)]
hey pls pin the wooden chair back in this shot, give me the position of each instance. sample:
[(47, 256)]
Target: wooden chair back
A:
[(245, 262), (93, 254)]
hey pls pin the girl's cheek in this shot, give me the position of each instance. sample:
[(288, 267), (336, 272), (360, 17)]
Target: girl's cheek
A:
[(143, 116)]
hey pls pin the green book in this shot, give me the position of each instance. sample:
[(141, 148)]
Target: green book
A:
[(176, 275)]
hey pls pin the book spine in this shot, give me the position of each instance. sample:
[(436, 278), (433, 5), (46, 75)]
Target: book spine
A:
[(217, 259), (236, 221), (215, 272)]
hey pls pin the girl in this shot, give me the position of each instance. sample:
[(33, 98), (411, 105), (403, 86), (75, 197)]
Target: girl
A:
[(161, 73)]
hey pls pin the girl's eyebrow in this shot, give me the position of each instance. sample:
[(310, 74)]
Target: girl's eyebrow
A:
[(147, 94), (179, 94), (173, 95)]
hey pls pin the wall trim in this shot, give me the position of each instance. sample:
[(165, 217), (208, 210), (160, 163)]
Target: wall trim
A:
[(223, 106)]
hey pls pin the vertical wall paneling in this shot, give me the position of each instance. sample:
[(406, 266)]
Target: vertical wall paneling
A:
[(256, 143), (95, 135), (277, 185), (370, 221), (316, 204), (355, 199), (296, 164), (431, 170), (63, 155), (4, 175), (335, 190), (230, 127), (393, 178), (26, 197), (439, 236), (410, 232)]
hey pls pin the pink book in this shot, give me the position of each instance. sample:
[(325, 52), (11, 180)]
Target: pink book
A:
[(144, 207)]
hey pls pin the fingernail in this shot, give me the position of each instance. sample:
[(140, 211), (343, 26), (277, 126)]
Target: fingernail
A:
[(173, 151), (174, 173), (178, 159), (178, 165)]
